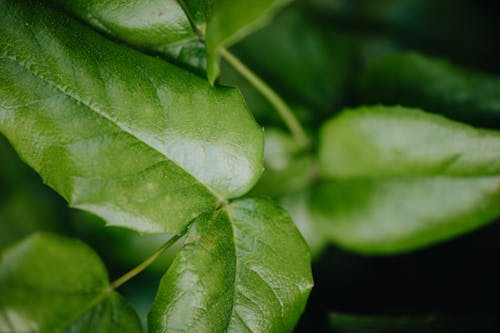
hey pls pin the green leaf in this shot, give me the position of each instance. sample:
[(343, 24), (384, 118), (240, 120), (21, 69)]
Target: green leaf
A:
[(159, 25), (126, 136), (243, 268), (414, 80), (168, 27), (399, 179), (53, 284), (232, 20)]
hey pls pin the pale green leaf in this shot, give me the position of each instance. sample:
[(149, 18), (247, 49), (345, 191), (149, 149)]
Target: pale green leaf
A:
[(399, 179), (126, 136), (289, 173), (432, 84), (287, 167), (53, 284), (243, 268), (298, 204)]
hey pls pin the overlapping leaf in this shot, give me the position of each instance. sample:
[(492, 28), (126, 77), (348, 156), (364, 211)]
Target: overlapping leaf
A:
[(160, 25), (244, 268), (129, 137), (53, 284), (178, 29), (399, 179)]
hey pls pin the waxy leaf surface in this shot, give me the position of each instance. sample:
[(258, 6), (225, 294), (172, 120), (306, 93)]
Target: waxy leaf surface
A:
[(133, 139), (178, 29), (243, 268), (53, 284), (396, 179), (161, 26)]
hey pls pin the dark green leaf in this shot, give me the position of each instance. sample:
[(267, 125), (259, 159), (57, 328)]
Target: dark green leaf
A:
[(131, 138), (304, 61), (23, 212), (347, 323), (243, 268), (461, 30), (53, 284), (400, 179), (435, 85)]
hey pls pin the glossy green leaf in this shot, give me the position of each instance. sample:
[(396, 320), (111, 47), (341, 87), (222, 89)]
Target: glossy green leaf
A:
[(159, 25), (399, 179), (435, 85), (243, 268), (168, 27), (232, 20), (126, 136), (53, 284)]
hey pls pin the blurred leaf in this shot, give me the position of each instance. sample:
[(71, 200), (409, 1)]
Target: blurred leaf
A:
[(52, 284), (460, 30), (189, 147), (400, 179), (298, 205), (232, 20), (346, 323), (236, 267), (120, 247), (435, 85), (305, 62), (287, 178), (24, 212), (26, 206), (287, 168)]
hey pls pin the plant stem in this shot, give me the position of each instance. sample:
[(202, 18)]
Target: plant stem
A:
[(281, 107), (142, 266)]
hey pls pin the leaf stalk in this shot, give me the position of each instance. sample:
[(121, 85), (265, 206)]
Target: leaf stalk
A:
[(142, 266)]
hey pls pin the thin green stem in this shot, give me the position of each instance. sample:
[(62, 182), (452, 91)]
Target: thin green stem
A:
[(142, 266), (281, 107)]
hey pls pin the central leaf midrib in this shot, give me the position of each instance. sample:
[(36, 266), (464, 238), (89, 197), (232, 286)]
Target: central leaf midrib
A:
[(236, 273), (116, 123)]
